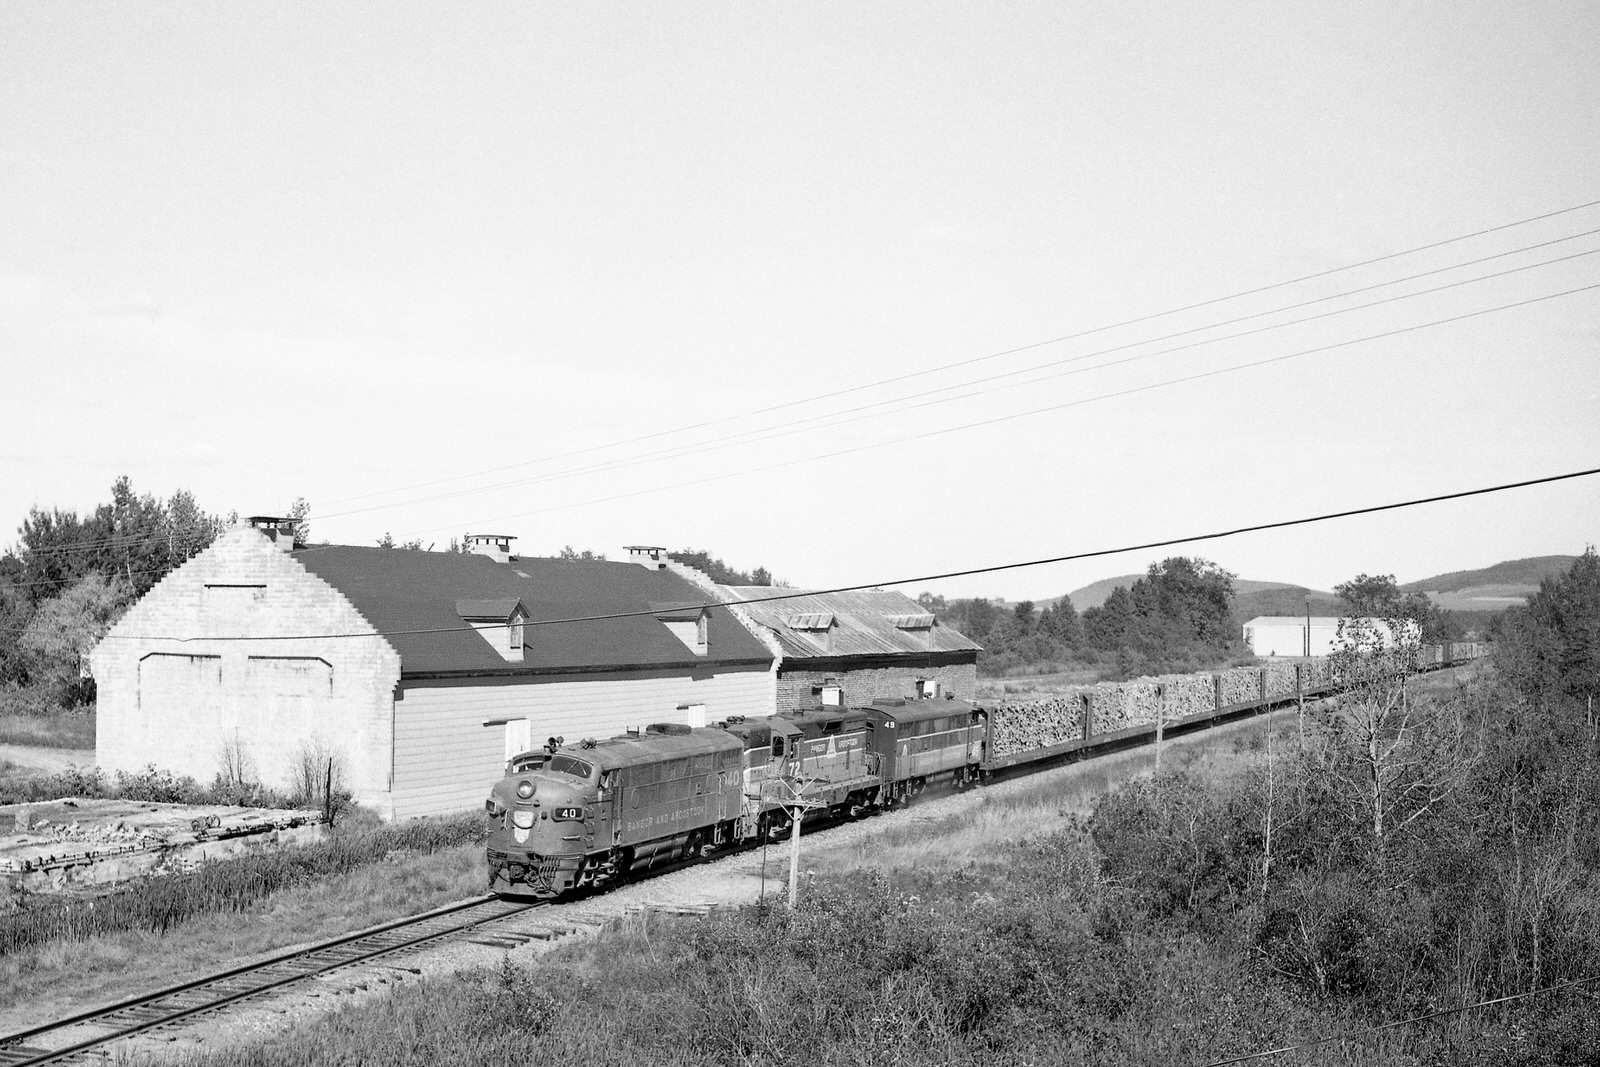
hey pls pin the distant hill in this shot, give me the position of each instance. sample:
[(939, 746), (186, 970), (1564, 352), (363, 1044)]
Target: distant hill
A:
[(1250, 598), (1482, 592), (1493, 588), (1092, 596)]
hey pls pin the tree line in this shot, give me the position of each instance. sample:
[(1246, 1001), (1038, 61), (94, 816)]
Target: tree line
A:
[(71, 575), (1178, 617)]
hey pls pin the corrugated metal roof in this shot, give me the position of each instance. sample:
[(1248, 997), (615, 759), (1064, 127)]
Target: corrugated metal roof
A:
[(398, 590), (1294, 620), (862, 623)]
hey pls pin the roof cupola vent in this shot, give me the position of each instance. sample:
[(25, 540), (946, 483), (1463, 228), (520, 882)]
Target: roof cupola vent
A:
[(277, 528), (496, 546), (651, 557)]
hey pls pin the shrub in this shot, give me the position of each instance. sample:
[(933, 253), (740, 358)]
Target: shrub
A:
[(161, 901)]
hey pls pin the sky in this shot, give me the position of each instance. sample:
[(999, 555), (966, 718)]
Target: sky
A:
[(854, 292)]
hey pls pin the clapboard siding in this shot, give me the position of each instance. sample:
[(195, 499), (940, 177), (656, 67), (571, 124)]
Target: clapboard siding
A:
[(445, 758)]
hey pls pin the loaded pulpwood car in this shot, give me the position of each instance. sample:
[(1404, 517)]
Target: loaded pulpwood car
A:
[(586, 815)]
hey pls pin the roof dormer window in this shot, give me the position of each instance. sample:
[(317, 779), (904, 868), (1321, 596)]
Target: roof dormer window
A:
[(499, 621), (514, 632), (689, 623)]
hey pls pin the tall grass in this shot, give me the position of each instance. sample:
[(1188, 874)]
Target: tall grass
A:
[(71, 729), (159, 902), (997, 965)]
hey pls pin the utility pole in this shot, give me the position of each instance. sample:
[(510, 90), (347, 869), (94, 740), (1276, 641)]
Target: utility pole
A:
[(1308, 626), (1161, 721), (795, 817), (1303, 673), (797, 806)]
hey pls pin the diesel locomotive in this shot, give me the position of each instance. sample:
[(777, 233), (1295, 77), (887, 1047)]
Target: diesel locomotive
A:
[(583, 816), (572, 817)]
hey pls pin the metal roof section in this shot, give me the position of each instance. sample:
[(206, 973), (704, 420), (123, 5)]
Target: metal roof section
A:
[(864, 623), (910, 622), (809, 620)]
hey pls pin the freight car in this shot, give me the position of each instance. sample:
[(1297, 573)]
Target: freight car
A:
[(584, 816)]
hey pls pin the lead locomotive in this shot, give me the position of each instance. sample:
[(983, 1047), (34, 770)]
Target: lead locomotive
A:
[(584, 816)]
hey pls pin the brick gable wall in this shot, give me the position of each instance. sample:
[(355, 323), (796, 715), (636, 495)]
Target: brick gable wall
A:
[(177, 705)]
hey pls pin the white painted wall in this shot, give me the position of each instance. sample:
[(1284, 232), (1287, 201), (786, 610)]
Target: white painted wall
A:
[(176, 704), (445, 758)]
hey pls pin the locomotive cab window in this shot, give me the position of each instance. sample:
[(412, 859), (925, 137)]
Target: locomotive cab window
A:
[(777, 745), (567, 765)]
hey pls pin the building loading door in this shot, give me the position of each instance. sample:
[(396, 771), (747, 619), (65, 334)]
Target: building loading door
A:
[(519, 737)]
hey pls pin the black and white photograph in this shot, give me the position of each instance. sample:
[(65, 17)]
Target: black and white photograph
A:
[(798, 534)]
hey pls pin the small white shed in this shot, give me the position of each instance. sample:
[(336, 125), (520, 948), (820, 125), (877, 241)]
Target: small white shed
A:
[(1285, 635)]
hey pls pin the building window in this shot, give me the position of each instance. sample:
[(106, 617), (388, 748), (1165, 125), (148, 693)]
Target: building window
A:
[(702, 630), (832, 696), (516, 633)]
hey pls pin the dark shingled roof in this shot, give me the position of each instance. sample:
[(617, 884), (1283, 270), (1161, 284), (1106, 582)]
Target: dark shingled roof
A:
[(398, 590)]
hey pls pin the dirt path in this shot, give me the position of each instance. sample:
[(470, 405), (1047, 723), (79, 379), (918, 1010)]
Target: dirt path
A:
[(49, 760)]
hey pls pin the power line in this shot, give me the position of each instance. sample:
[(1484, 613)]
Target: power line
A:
[(1351, 1035), (968, 572), (840, 418), (989, 356), (120, 539), (133, 536), (1148, 387)]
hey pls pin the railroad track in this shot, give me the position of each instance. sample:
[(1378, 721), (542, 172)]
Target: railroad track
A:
[(79, 1038)]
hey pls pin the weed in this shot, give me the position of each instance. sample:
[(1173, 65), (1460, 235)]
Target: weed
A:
[(159, 902)]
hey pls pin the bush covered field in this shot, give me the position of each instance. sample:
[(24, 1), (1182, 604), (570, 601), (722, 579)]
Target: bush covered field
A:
[(164, 787), (160, 902), (52, 728), (1410, 850)]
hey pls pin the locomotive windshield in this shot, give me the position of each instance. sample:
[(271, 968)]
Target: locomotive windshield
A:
[(567, 765)]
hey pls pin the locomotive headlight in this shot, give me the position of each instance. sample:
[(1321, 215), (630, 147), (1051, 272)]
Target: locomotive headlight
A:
[(524, 789)]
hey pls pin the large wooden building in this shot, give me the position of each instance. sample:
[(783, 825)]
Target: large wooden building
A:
[(419, 672)]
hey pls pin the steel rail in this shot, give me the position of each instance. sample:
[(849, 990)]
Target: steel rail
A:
[(11, 1045)]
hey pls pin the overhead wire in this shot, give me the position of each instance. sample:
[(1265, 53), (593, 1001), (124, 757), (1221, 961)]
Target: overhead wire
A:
[(831, 420), (1168, 542), (839, 418), (895, 379), (1012, 416)]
